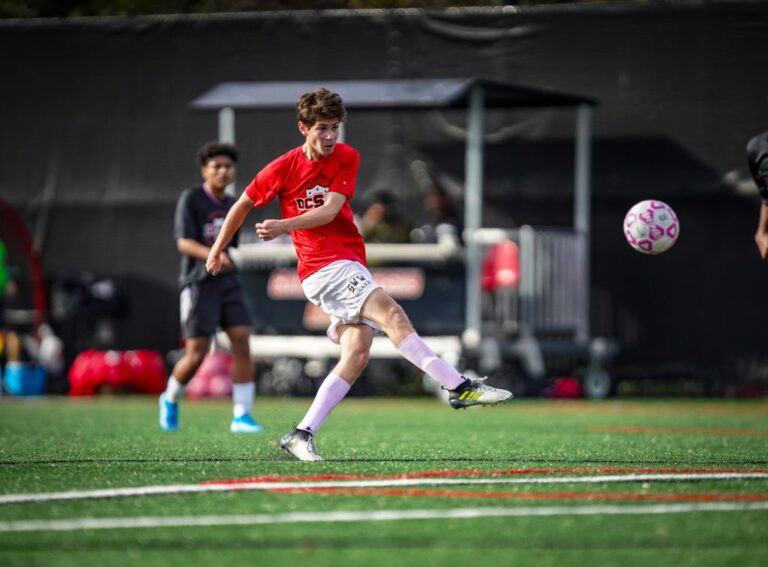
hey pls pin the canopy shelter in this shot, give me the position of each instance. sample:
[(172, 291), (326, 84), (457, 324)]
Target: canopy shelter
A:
[(473, 94), (401, 94)]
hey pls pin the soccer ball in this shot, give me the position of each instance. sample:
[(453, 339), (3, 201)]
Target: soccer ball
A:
[(651, 227)]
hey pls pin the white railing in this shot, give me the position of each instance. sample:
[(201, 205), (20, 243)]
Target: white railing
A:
[(252, 255)]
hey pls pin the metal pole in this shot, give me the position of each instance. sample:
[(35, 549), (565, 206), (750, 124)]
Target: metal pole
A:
[(473, 209), (582, 206), (227, 125), (527, 278), (227, 135)]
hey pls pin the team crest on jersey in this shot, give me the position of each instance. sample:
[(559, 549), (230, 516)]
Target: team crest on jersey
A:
[(211, 229), (315, 197)]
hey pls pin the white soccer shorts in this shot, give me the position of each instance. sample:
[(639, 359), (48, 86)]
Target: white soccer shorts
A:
[(340, 289)]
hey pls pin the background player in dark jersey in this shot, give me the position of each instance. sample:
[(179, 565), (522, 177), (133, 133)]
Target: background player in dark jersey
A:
[(209, 303), (314, 183), (757, 156)]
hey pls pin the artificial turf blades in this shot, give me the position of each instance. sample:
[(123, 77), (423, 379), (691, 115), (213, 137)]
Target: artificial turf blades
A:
[(60, 445)]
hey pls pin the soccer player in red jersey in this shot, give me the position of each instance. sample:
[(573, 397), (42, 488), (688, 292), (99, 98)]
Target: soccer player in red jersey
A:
[(315, 183)]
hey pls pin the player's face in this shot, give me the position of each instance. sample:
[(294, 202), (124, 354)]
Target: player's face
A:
[(321, 137), (218, 172)]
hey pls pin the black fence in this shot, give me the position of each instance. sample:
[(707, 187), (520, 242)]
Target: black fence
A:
[(98, 139)]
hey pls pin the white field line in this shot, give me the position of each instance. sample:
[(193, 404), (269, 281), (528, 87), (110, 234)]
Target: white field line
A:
[(367, 516), (377, 483)]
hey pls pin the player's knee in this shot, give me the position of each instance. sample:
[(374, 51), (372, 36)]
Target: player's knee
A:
[(240, 347), (358, 359), (361, 359)]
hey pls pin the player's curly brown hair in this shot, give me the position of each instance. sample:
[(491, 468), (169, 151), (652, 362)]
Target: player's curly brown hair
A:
[(320, 104)]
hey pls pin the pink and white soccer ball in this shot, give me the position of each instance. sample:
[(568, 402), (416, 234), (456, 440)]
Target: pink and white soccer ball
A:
[(651, 227)]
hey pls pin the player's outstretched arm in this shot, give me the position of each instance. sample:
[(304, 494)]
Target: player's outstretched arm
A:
[(232, 222), (272, 228), (199, 251), (761, 236)]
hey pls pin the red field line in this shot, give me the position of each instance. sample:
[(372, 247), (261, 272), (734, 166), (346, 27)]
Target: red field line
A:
[(477, 472), (678, 430), (566, 495), (625, 408)]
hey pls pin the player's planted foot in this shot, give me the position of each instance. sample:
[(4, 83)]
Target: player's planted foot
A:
[(169, 414), (474, 393), (301, 445), (245, 424)]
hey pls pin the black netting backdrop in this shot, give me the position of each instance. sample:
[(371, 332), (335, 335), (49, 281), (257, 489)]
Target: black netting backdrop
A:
[(98, 110)]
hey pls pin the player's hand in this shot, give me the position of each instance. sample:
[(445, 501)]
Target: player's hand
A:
[(761, 239), (269, 229), (214, 262)]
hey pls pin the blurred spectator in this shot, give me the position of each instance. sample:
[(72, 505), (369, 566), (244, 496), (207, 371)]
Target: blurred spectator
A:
[(383, 223), (50, 351), (443, 220), (7, 285), (32, 360)]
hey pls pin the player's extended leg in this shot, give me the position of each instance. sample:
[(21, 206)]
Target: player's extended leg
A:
[(392, 319), (356, 343), (194, 353), (243, 386)]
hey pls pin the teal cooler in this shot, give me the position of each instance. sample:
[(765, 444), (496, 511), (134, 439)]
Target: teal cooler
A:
[(23, 379)]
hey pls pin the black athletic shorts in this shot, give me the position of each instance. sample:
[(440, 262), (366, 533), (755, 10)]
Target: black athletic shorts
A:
[(213, 303)]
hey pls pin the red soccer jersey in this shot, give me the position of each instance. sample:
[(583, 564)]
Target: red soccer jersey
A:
[(301, 185)]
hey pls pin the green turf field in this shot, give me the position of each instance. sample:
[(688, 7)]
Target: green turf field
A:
[(529, 483)]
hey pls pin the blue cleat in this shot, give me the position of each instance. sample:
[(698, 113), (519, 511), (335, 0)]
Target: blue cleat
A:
[(245, 424), (169, 414)]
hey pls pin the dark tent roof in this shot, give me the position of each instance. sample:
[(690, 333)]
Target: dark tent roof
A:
[(403, 94)]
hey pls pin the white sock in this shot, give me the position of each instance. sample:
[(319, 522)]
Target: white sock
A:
[(415, 350), (174, 390), (331, 392), (242, 398)]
